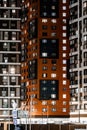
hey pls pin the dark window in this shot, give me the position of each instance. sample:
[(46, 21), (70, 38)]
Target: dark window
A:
[(48, 89), (44, 27), (32, 69), (49, 8), (44, 34), (33, 29), (53, 27), (49, 48)]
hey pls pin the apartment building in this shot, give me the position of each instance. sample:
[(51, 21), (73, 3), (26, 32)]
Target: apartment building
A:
[(9, 56), (45, 58), (78, 59)]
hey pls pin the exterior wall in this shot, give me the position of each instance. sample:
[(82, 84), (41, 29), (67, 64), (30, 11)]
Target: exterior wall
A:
[(78, 60), (45, 83), (9, 57)]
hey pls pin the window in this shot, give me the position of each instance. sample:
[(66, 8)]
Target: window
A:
[(44, 102), (64, 54), (44, 68), (49, 48), (12, 70), (54, 68), (64, 27), (64, 41), (64, 14), (48, 89), (44, 75), (53, 27), (64, 75), (64, 68), (5, 103), (53, 109), (64, 95), (64, 82), (13, 79), (64, 62), (64, 7), (44, 27), (53, 34), (44, 33), (53, 75), (54, 21), (64, 102), (44, 21), (64, 1), (48, 12), (53, 96), (44, 61), (64, 34), (64, 48), (44, 109), (44, 54), (53, 7), (64, 109), (53, 102), (64, 21)]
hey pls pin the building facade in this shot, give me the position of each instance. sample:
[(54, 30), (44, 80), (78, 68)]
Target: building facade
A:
[(9, 56), (78, 59), (45, 58)]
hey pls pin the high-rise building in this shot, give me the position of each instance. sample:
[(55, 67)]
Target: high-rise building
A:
[(78, 59), (45, 57), (9, 56)]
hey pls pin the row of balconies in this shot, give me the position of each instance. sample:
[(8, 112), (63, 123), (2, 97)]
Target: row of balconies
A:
[(11, 80), (9, 3), (7, 102), (75, 8), (7, 58), (11, 13), (9, 35), (10, 24), (14, 92), (10, 47), (7, 70)]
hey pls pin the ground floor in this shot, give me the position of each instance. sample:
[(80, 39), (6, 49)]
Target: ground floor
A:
[(61, 126)]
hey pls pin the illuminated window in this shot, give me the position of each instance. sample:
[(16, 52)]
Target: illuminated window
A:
[(64, 54), (64, 75), (64, 102), (44, 21), (64, 109), (64, 82), (54, 21), (64, 1), (64, 7), (64, 41), (64, 27), (64, 62), (53, 75), (44, 75), (64, 95), (64, 34), (12, 70), (64, 68), (64, 48)]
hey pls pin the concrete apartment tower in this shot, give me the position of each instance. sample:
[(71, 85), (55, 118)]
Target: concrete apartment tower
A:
[(78, 59), (45, 58), (9, 57)]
